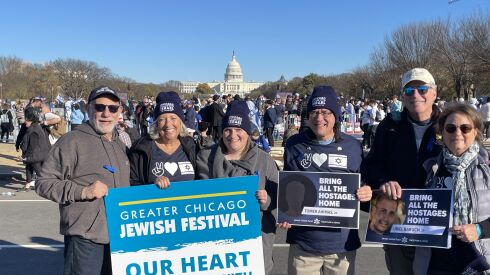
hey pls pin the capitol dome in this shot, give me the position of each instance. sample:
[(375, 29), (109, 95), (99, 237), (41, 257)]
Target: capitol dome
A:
[(233, 71)]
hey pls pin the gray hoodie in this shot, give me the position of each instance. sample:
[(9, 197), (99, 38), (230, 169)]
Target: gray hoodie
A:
[(74, 162)]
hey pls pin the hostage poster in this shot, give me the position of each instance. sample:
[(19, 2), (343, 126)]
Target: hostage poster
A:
[(420, 218), (318, 199), (192, 227)]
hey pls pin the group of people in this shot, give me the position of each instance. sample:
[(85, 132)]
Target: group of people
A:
[(406, 153)]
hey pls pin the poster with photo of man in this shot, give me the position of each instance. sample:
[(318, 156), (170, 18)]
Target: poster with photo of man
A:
[(318, 199), (422, 217)]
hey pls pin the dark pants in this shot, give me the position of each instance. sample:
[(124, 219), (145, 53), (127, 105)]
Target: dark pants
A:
[(268, 134), (5, 130), (86, 257), (31, 168), (217, 133), (144, 130), (365, 135), (399, 259), (371, 134), (486, 132)]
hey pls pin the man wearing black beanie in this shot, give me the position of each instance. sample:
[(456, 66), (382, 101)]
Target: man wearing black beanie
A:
[(321, 250)]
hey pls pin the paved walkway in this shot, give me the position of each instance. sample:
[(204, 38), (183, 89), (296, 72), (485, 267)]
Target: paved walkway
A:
[(10, 164)]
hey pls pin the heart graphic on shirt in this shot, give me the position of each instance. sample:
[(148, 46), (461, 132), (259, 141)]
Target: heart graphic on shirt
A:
[(171, 167), (319, 159)]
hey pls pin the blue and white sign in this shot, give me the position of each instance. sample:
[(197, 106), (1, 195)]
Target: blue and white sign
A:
[(318, 199), (192, 227), (420, 218)]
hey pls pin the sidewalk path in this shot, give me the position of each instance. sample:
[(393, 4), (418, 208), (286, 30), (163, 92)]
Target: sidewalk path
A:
[(10, 166)]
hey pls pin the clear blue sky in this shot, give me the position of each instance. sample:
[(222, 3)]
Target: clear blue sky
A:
[(158, 40)]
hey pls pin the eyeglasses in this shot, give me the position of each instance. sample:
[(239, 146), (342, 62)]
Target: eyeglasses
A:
[(451, 128), (323, 113), (101, 107), (409, 91)]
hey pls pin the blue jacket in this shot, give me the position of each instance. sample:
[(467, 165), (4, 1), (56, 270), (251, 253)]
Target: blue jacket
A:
[(76, 117), (270, 118), (190, 119), (299, 155)]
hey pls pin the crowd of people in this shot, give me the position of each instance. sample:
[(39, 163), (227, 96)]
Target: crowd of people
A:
[(416, 142)]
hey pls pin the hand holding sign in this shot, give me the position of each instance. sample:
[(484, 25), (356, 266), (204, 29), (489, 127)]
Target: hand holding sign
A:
[(261, 196), (392, 189), (364, 193), (466, 232), (162, 182)]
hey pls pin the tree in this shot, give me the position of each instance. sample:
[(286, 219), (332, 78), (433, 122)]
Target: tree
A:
[(411, 46), (204, 89), (78, 77)]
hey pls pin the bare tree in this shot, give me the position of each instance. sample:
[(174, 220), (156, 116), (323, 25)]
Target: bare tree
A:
[(410, 46), (78, 77)]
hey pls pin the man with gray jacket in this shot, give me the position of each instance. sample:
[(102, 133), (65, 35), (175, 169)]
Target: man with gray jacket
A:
[(77, 174)]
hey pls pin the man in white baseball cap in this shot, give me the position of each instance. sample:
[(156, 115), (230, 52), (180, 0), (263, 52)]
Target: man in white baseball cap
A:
[(401, 145)]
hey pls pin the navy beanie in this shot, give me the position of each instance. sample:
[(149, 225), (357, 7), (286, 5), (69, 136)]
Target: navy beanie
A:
[(324, 97), (237, 116), (168, 102)]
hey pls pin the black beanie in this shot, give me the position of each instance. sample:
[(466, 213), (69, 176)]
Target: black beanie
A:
[(237, 116), (324, 97), (168, 102)]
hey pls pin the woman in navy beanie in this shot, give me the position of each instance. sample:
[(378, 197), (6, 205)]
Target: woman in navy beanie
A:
[(236, 155), (154, 157)]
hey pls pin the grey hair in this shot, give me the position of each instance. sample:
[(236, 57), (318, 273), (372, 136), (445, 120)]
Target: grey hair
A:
[(153, 130)]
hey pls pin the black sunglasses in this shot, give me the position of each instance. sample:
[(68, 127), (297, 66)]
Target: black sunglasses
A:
[(465, 128), (101, 107)]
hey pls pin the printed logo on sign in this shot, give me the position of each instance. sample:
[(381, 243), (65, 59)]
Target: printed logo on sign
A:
[(338, 161), (186, 168), (167, 107), (319, 101), (235, 120)]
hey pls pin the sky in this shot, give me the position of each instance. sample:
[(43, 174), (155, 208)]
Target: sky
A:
[(159, 40)]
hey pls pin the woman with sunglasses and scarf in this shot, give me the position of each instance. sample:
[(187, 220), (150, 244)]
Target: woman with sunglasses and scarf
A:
[(462, 167), (166, 154)]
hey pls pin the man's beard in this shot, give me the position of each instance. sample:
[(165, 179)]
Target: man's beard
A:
[(104, 130), (99, 128)]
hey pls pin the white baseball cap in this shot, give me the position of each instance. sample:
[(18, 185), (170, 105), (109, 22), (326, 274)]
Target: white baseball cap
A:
[(419, 74)]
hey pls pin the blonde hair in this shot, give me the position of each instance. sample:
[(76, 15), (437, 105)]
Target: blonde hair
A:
[(153, 130)]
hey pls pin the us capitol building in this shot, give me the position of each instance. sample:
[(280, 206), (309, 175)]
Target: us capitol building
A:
[(233, 84)]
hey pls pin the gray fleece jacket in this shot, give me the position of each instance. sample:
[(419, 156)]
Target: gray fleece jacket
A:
[(74, 162), (211, 163)]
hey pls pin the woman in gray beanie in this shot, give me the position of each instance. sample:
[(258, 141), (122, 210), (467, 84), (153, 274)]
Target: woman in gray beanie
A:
[(236, 155)]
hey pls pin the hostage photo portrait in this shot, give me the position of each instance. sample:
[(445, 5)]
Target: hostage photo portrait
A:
[(420, 218)]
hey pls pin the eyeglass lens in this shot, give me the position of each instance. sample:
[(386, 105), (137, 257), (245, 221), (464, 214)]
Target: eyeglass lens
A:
[(465, 128)]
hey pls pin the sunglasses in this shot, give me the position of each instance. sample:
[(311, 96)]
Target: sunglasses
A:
[(101, 107), (409, 91), (451, 128)]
